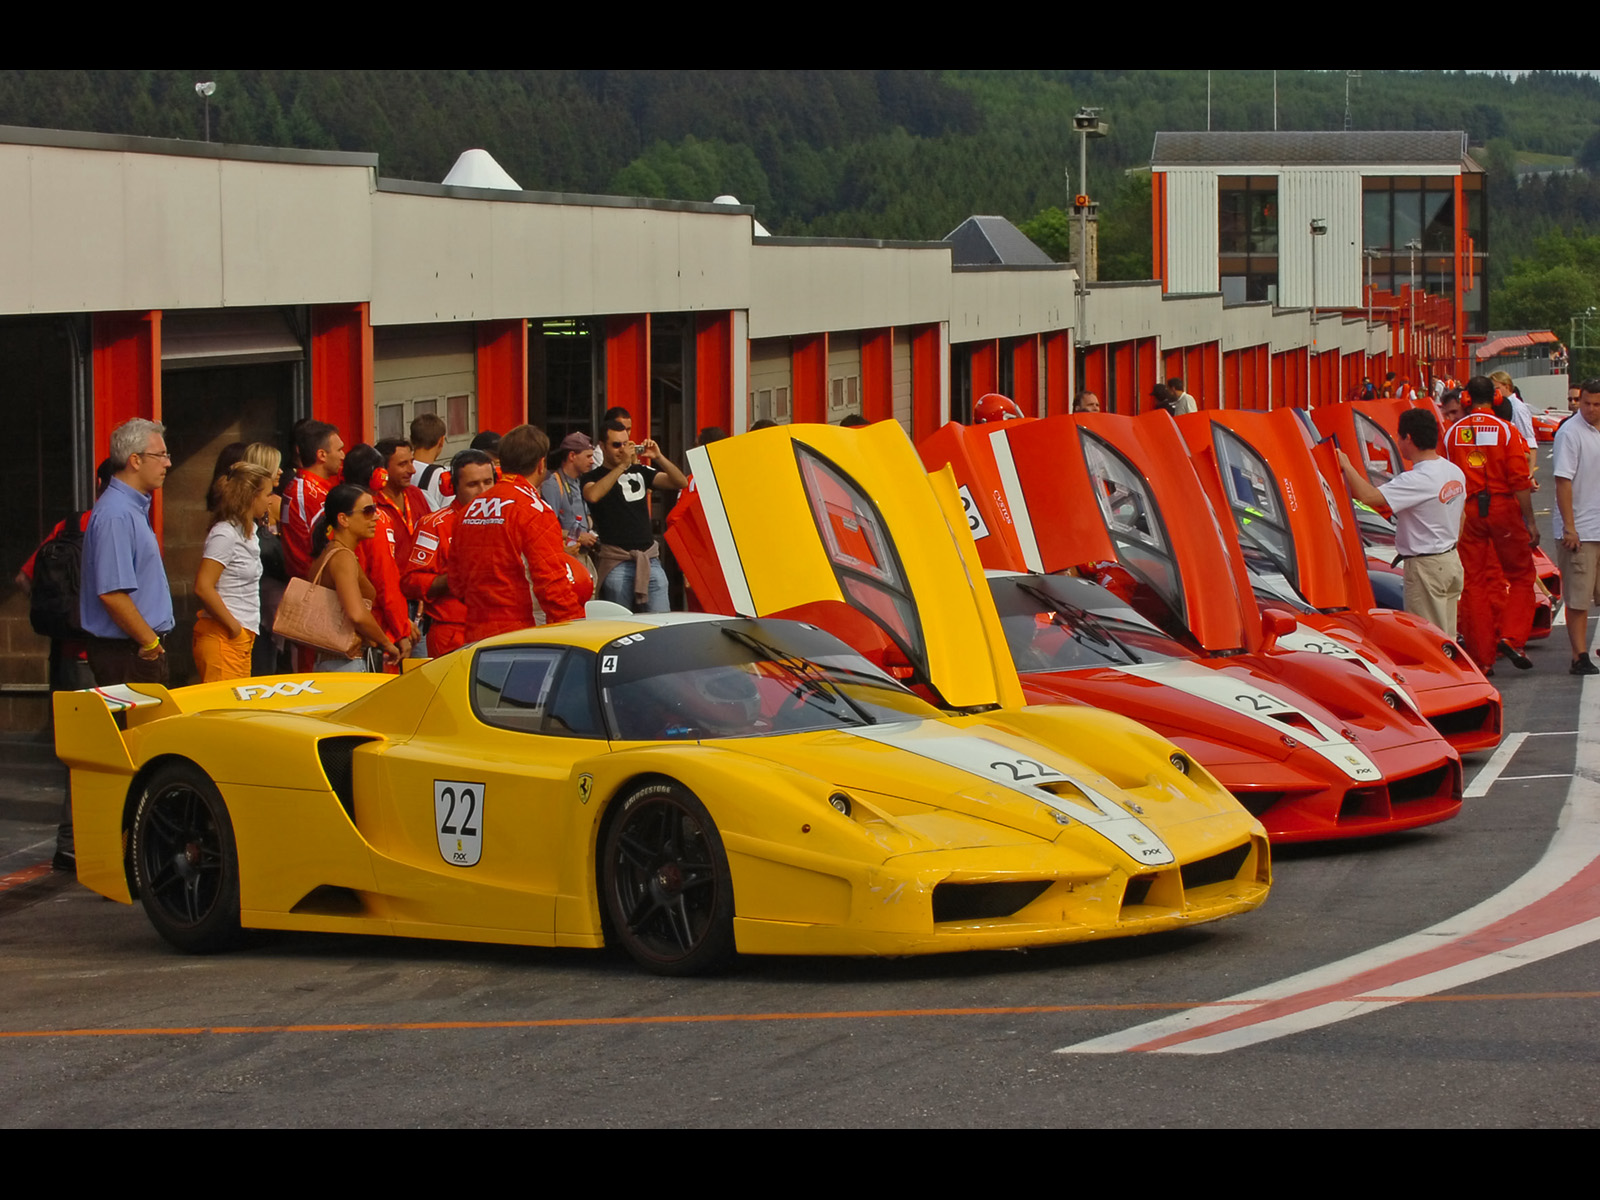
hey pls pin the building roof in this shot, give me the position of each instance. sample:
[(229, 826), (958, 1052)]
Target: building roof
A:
[(1413, 148), (1503, 343), (993, 241)]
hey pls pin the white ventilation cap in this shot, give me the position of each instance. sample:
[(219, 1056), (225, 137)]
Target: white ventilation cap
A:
[(477, 168)]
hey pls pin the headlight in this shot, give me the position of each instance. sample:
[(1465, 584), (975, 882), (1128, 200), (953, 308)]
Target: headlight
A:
[(840, 802), (1180, 763), (1390, 698), (1449, 649)]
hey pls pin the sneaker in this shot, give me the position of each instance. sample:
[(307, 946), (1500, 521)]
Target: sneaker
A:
[(1582, 666), (1518, 659)]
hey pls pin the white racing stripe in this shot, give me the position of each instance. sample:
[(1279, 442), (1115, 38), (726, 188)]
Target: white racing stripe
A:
[(1334, 648), (705, 482), (997, 763), (1244, 697), (1574, 848), (1016, 501)]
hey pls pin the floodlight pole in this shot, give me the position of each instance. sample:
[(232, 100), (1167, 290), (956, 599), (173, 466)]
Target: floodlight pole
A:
[(1319, 228)]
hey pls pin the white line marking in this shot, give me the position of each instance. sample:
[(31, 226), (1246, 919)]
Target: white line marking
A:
[(1380, 998), (1574, 848), (1554, 733), (1557, 775), (1560, 618), (1498, 761)]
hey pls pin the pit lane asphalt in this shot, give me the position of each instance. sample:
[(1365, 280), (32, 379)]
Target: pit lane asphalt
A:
[(144, 1036)]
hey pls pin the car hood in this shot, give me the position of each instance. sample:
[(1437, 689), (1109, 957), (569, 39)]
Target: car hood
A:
[(990, 774)]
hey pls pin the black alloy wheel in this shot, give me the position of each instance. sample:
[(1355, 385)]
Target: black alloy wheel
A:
[(665, 882), (184, 860)]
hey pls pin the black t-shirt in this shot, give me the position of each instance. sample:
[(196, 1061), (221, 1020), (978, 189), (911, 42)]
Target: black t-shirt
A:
[(622, 516)]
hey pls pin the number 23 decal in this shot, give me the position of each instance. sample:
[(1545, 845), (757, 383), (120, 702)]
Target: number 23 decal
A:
[(458, 816)]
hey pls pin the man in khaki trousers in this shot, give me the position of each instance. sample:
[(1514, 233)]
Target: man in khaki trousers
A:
[(1427, 502)]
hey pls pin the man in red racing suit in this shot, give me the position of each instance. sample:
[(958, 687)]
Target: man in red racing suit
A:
[(508, 560), (426, 574), (1498, 532)]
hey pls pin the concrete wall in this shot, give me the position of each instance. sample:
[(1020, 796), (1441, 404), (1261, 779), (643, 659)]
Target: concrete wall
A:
[(448, 259), (1006, 303), (85, 230), (802, 286)]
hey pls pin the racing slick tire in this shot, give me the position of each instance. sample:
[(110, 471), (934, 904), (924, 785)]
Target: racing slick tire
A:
[(665, 883), (186, 867)]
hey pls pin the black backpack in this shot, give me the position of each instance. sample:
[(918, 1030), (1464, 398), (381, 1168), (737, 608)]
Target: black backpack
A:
[(57, 572)]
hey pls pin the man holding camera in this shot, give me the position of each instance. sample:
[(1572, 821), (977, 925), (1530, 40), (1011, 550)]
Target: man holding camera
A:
[(627, 561)]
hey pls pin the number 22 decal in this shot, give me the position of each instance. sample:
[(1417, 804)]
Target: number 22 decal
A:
[(1016, 767), (458, 816)]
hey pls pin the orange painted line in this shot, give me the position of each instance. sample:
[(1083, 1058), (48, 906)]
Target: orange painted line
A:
[(25, 876), (721, 1018), (570, 1022)]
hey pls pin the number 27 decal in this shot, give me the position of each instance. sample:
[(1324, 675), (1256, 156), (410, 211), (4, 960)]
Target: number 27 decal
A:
[(458, 816)]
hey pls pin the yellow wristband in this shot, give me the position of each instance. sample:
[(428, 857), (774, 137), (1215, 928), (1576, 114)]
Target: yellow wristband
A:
[(151, 646)]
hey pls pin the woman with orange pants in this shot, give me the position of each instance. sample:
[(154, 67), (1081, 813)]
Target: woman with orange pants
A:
[(228, 584)]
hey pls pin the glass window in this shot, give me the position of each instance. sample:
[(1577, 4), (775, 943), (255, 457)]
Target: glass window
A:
[(1062, 623), (1252, 492), (1375, 229), (1133, 520), (1407, 218), (1438, 221), (862, 553), (536, 689), (744, 678), (1379, 454)]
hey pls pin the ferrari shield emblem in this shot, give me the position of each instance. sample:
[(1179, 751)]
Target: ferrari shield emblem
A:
[(585, 786)]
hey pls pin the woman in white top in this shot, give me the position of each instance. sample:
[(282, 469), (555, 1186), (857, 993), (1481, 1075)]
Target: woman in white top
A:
[(267, 658), (228, 584)]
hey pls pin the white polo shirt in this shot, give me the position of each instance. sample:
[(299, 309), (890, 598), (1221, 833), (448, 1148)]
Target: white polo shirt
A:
[(1578, 458), (1427, 501), (1522, 418)]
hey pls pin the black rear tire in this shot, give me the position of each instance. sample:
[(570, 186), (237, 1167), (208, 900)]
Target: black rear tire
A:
[(185, 863), (665, 883)]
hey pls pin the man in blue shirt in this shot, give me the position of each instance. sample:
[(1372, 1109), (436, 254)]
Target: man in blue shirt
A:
[(124, 602)]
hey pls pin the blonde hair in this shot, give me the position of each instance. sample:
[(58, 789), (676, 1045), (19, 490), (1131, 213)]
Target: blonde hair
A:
[(264, 454), (1503, 379), (235, 491)]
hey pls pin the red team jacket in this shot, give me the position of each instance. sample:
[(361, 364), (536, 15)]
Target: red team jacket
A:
[(429, 559), (302, 502), (508, 551)]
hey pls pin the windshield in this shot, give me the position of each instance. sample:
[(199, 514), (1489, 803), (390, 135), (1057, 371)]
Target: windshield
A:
[(727, 679), (1062, 623)]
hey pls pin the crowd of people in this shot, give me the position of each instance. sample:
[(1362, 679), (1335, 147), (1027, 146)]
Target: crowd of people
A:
[(1465, 522), (396, 552)]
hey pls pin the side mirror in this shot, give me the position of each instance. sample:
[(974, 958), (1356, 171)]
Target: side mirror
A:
[(1275, 623)]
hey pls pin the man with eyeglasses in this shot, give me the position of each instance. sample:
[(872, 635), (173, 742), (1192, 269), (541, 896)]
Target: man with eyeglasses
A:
[(125, 604)]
